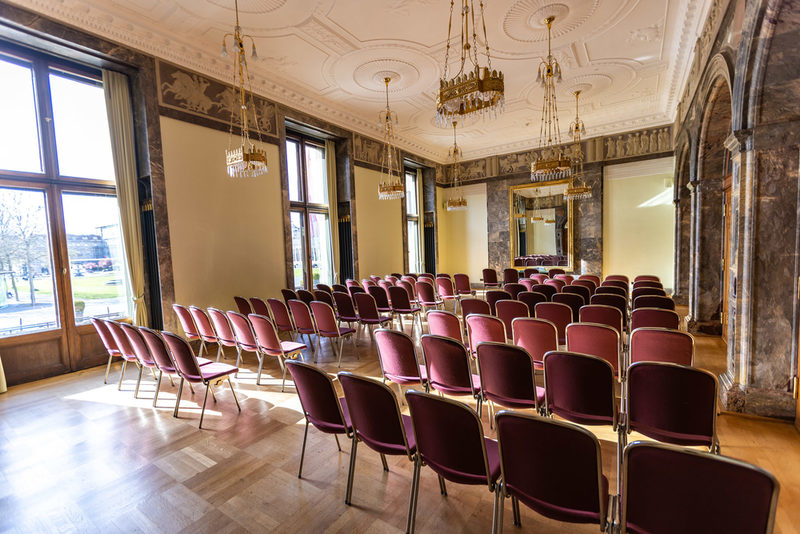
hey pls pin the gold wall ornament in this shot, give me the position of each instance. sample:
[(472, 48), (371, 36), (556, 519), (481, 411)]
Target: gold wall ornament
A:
[(551, 163), (245, 159), (391, 186), (475, 90), (456, 200), (578, 190)]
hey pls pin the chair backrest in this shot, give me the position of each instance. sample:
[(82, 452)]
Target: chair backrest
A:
[(184, 316), (558, 314), (183, 356), (527, 283), (611, 290), (301, 315), (531, 298), (222, 326), (529, 271), (399, 298), (688, 417), (366, 282), (654, 301), (259, 306), (508, 310), (573, 300), (602, 314), (280, 314), (672, 489), (592, 277), (482, 328), (374, 278), (409, 287), (588, 284), (565, 277), (462, 284), (426, 276), (355, 289), (639, 291), (617, 278), (120, 339), (617, 301), (655, 317), (580, 388), (305, 295), (445, 286), (646, 278), (158, 349), (479, 306), (392, 279), (545, 289), (108, 340), (345, 306), (266, 335), (325, 318), (138, 344), (351, 283), (514, 289), (558, 284), (397, 356), (413, 276), (204, 325), (510, 276), (493, 295), (367, 308), (447, 364), (489, 276), (338, 287), (537, 336), (323, 296), (581, 290), (243, 305), (243, 331), (444, 323), (661, 345), (288, 295), (442, 275), (647, 283), (374, 414), (595, 339), (425, 292), (324, 287), (552, 272), (553, 466), (318, 397), (380, 295), (449, 438), (385, 284), (538, 278), (616, 283), (507, 375)]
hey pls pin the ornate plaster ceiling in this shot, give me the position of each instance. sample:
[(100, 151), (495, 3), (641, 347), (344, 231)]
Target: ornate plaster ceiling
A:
[(630, 57)]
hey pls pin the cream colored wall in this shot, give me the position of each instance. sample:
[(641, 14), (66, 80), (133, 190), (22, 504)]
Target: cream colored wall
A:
[(379, 225), (638, 220), (226, 234), (463, 235)]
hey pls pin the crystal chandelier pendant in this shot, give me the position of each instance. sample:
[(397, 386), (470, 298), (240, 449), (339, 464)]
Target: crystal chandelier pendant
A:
[(456, 201), (578, 190), (391, 186)]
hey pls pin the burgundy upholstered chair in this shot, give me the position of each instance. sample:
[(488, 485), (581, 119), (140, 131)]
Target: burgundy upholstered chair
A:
[(368, 314), (514, 289), (527, 283), (305, 296), (490, 278), (574, 301), (345, 308), (110, 345), (526, 274), (321, 406), (328, 326), (482, 328), (507, 377), (123, 345), (654, 301), (352, 283), (553, 467), (558, 314), (508, 310), (288, 295), (224, 330), (188, 325), (281, 317), (204, 328), (398, 359), (588, 284), (401, 305), (271, 345), (479, 306), (510, 276), (688, 418), (617, 301), (191, 371), (617, 278), (592, 277), (324, 287), (552, 272), (531, 298), (538, 278), (602, 314), (611, 290), (670, 489), (448, 369), (324, 296), (646, 278), (598, 340), (545, 289), (160, 352), (366, 282), (443, 275), (303, 321), (536, 336), (558, 284), (141, 351), (427, 276), (245, 340), (661, 345), (385, 284), (494, 295), (444, 323), (581, 290), (375, 278), (648, 283), (426, 294), (614, 283), (463, 286), (656, 318), (377, 422), (446, 291), (640, 291), (355, 289), (259, 306), (409, 287), (243, 305), (568, 279), (450, 441), (338, 287)]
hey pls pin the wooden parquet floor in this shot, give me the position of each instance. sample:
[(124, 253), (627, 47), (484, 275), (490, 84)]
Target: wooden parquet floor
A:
[(79, 456)]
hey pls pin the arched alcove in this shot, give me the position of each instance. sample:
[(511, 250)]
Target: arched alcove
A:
[(683, 213)]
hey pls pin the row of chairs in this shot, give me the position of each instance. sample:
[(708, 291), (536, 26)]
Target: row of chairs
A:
[(553, 467)]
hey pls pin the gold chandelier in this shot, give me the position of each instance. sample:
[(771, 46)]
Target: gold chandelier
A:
[(578, 190), (456, 200), (391, 186), (476, 91), (246, 160), (536, 217), (551, 163)]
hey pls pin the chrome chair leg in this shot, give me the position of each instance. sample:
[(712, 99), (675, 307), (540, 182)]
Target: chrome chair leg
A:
[(412, 500), (178, 398), (158, 386), (203, 411), (497, 525), (233, 391), (338, 446), (260, 365), (498, 504), (515, 511), (138, 381), (303, 452), (213, 396), (108, 368), (383, 461), (350, 474), (442, 486), (122, 374), (238, 358)]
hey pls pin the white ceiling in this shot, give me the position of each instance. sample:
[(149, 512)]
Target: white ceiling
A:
[(329, 57)]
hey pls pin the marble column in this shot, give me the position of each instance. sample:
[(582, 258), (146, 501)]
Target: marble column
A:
[(707, 282), (682, 246)]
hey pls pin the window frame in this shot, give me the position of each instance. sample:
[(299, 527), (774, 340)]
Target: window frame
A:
[(412, 172)]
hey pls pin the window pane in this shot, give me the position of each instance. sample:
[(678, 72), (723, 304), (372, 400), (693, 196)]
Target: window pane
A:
[(81, 124), (292, 159), (96, 257), (317, 175), (19, 128), (27, 295), (298, 248), (411, 194), (413, 247), (321, 261)]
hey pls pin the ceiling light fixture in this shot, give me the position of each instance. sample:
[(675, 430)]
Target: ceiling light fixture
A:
[(578, 190), (456, 200), (469, 93), (391, 186)]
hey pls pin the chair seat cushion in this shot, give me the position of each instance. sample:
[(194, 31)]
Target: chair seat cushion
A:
[(407, 380), (216, 370), (203, 361), (407, 310), (511, 402), (459, 390), (379, 320), (462, 477), (292, 346), (348, 318), (560, 513)]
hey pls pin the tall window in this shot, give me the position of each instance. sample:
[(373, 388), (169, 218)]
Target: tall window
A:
[(412, 222), (309, 216), (61, 254)]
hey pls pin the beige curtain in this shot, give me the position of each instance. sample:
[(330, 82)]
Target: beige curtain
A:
[(420, 223), (333, 205), (3, 386), (120, 123)]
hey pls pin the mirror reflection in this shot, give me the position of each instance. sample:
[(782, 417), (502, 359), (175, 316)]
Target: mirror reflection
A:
[(541, 225)]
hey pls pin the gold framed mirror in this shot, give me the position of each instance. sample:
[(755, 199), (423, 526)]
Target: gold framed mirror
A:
[(541, 225)]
